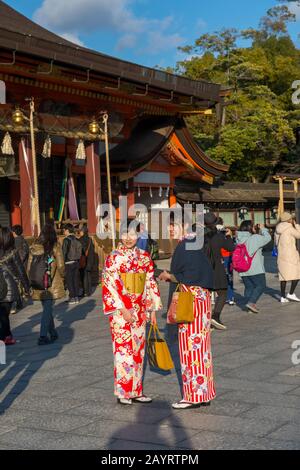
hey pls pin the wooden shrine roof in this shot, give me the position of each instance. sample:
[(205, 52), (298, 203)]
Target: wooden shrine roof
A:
[(150, 137), (229, 192), (19, 34)]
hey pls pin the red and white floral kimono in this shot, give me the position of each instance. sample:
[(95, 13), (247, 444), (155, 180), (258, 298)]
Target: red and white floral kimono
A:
[(195, 350), (129, 338)]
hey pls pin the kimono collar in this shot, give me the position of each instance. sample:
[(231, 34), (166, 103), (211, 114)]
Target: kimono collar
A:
[(124, 249)]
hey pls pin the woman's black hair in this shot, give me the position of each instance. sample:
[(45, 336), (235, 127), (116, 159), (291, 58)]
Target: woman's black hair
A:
[(246, 226), (17, 229), (48, 238), (68, 227), (84, 229), (7, 241)]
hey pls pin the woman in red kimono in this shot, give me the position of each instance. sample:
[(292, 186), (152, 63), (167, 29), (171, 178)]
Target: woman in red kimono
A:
[(130, 298), (192, 269)]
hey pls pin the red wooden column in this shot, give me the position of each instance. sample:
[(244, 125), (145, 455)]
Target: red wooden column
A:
[(93, 186), (15, 200), (26, 186), (172, 198)]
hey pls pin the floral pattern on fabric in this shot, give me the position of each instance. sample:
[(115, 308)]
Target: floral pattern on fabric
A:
[(128, 339), (195, 351)]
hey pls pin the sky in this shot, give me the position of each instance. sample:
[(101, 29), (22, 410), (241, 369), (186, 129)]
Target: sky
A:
[(147, 32)]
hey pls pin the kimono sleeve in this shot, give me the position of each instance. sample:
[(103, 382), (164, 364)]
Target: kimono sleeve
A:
[(153, 300), (114, 295)]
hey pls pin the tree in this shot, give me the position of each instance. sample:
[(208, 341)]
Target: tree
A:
[(259, 135)]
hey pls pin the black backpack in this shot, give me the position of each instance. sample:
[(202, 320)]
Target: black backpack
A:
[(38, 270), (75, 249), (3, 286)]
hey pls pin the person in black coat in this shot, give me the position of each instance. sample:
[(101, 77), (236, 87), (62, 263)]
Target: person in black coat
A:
[(22, 248), (191, 268), (15, 275), (21, 244), (214, 241), (89, 256)]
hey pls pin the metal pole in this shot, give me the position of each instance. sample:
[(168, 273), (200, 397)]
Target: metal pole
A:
[(35, 178), (112, 220)]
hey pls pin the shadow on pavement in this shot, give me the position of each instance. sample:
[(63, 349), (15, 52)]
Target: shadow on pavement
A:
[(131, 432), (28, 363)]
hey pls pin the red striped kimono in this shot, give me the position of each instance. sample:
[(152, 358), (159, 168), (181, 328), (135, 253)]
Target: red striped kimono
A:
[(195, 351), (128, 339)]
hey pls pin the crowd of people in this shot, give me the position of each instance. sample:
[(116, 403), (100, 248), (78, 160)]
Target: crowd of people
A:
[(47, 269), (131, 297), (43, 272)]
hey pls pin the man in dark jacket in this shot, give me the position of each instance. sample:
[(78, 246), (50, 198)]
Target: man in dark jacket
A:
[(21, 244), (89, 259), (214, 242), (15, 276), (22, 248), (72, 251)]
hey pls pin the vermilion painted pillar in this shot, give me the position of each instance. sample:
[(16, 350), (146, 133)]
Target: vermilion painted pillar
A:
[(93, 187), (26, 186), (172, 198), (15, 200)]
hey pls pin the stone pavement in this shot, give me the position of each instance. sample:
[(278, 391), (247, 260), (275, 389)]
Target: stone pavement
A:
[(60, 396)]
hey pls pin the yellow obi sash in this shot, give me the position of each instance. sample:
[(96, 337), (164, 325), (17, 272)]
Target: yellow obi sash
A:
[(134, 282)]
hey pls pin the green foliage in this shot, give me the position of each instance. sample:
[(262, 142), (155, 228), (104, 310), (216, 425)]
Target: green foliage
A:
[(258, 136)]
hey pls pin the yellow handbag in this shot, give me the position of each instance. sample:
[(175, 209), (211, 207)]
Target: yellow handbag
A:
[(134, 282), (158, 352), (181, 309)]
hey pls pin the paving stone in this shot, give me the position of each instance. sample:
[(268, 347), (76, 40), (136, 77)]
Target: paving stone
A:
[(288, 432), (61, 396), (54, 422), (281, 414), (194, 419), (119, 444), (272, 444), (261, 398), (151, 414), (26, 438), (168, 433), (217, 441)]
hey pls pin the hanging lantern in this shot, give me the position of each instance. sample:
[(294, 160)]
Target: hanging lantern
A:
[(160, 192), (150, 192), (6, 147), (18, 117), (139, 191), (168, 192), (80, 152), (46, 153), (94, 127)]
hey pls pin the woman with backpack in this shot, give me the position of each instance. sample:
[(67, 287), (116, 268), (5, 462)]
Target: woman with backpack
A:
[(72, 251), (214, 242), (286, 236), (46, 274), (253, 238), (15, 277)]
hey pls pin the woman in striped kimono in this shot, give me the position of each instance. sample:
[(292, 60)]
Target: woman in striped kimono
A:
[(192, 269), (130, 298)]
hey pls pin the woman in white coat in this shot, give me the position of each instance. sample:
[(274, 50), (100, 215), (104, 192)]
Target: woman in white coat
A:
[(286, 236)]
